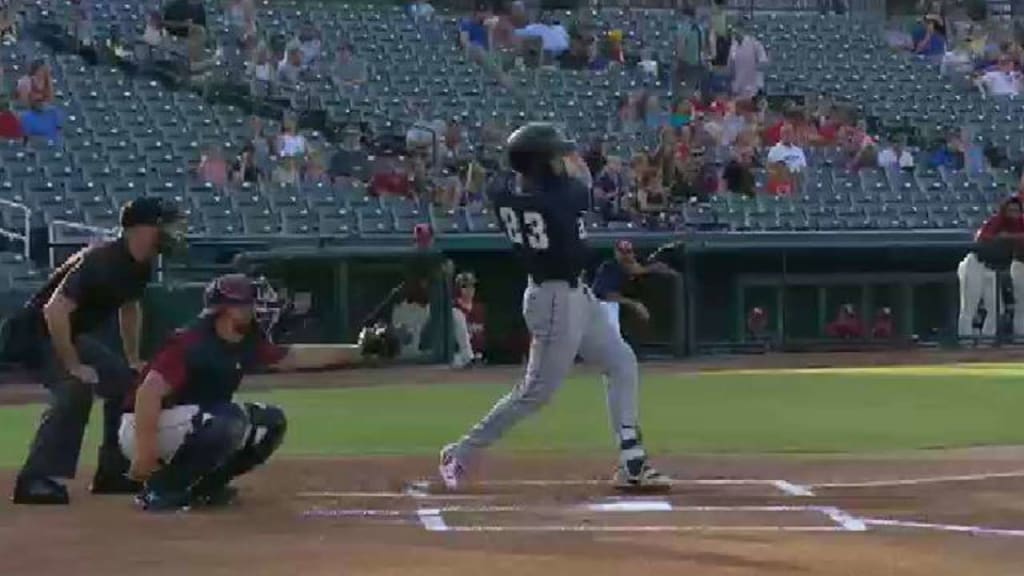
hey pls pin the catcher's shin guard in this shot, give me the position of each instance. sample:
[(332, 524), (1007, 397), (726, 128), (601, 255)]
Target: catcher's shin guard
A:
[(210, 444), (266, 430)]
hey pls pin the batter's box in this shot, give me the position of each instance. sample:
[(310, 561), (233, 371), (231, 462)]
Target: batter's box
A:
[(636, 516)]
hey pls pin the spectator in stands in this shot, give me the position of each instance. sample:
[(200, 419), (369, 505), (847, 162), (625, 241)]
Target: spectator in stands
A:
[(476, 183), (244, 169), (262, 67), (181, 16), (609, 187), (315, 172), (154, 33), (42, 123), (787, 153), (10, 124), (690, 50), (747, 57), (1003, 81), (349, 70), (467, 322), (242, 19), (350, 159), (454, 140), (260, 144), (9, 20), (896, 157), (932, 37), (36, 87), (420, 10), (582, 55), (738, 174), (474, 32), (948, 154), (286, 172), (862, 147), (213, 168), (290, 143), (310, 45), (289, 69), (389, 179), (554, 38)]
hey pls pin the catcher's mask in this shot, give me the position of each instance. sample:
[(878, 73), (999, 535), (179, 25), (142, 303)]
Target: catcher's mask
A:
[(238, 290)]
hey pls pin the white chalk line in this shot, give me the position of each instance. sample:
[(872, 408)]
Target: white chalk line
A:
[(845, 520), (628, 529), (673, 482), (974, 530), (393, 495), (432, 520), (790, 489), (601, 507), (922, 480)]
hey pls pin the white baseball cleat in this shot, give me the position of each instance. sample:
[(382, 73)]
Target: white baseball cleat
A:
[(450, 469), (647, 480)]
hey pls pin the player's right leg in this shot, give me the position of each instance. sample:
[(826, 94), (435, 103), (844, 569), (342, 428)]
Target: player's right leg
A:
[(193, 444), (969, 274), (554, 314), (604, 346)]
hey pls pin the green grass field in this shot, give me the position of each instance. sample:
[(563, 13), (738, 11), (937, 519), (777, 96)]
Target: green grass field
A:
[(846, 410)]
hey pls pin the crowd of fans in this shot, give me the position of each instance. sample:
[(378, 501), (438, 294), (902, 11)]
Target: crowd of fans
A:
[(718, 134)]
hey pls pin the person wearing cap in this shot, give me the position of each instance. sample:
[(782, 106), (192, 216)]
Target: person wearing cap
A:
[(467, 322), (613, 275), (185, 436), (55, 337)]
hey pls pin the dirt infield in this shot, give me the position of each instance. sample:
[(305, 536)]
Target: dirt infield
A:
[(727, 516), (931, 513)]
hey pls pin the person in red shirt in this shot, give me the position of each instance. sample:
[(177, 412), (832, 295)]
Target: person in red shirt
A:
[(996, 241), (391, 180), (185, 436), (10, 124), (847, 324), (468, 322)]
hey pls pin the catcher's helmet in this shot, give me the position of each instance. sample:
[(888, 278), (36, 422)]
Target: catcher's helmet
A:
[(531, 147), (228, 290)]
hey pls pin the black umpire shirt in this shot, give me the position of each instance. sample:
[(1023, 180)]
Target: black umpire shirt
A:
[(99, 279)]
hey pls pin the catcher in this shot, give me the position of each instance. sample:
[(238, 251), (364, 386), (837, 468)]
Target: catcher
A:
[(185, 436)]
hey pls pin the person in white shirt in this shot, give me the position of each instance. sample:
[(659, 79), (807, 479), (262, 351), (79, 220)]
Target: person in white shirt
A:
[(554, 37), (787, 153), (896, 156), (1004, 81), (747, 56), (289, 142)]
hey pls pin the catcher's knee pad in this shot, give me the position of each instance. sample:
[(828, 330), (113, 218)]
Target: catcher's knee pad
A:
[(216, 435), (266, 429)]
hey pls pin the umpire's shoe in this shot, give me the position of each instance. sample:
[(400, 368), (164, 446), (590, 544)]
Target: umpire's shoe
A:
[(640, 477), (28, 490), (112, 475)]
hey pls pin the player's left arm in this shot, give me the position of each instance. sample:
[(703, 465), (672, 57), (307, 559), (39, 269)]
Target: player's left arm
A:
[(308, 356), (130, 321)]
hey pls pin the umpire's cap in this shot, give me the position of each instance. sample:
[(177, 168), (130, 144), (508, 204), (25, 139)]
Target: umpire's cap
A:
[(531, 146), (228, 290), (149, 211)]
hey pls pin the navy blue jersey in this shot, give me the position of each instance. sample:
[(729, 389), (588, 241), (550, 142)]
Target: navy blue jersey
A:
[(611, 278), (545, 225)]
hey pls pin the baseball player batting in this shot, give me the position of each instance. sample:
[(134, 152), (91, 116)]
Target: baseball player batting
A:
[(539, 207)]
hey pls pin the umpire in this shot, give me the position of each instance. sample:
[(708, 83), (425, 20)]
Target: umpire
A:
[(53, 336)]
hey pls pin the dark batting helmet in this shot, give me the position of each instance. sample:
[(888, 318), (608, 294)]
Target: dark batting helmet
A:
[(532, 147)]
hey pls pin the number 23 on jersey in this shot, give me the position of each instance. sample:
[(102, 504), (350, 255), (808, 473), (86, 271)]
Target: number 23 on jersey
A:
[(530, 228)]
